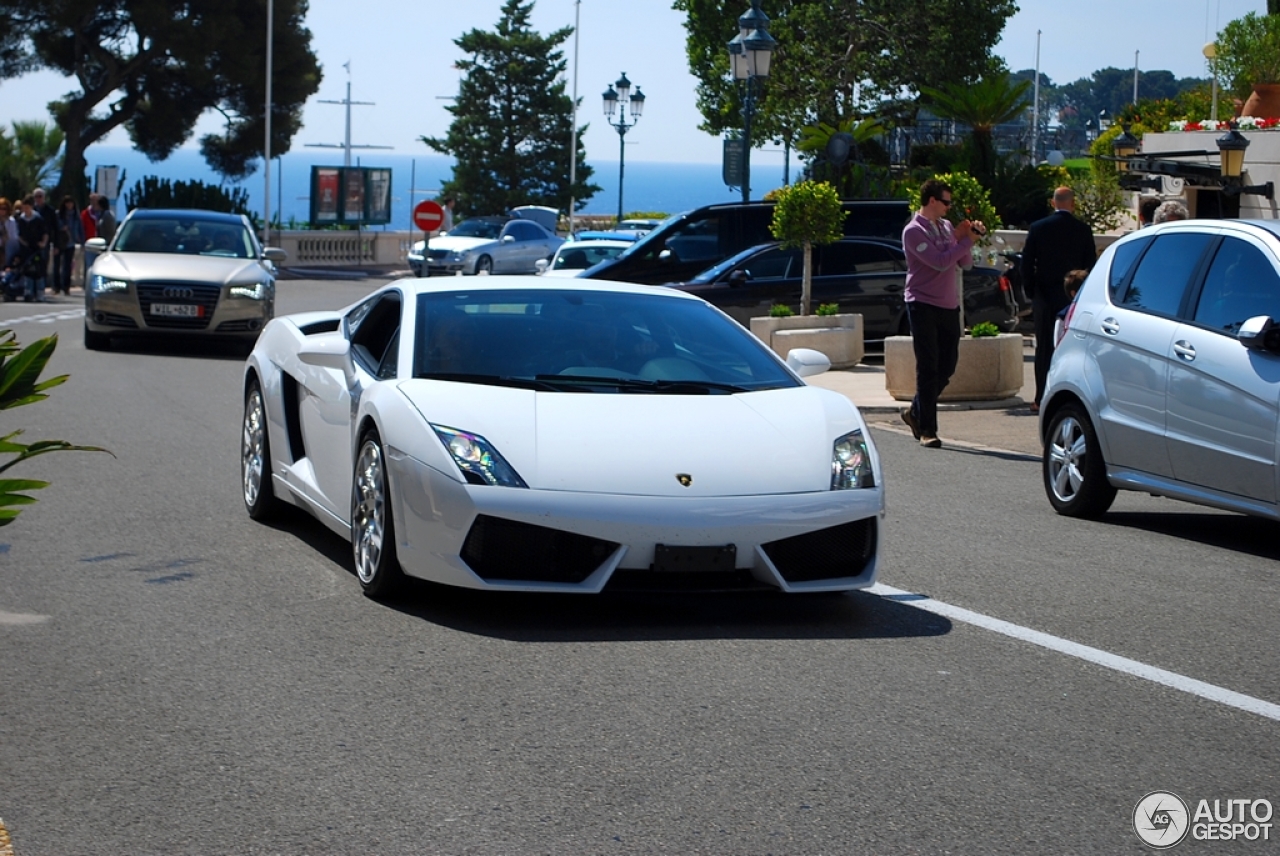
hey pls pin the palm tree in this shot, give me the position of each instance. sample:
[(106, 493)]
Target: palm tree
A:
[(29, 157), (992, 101)]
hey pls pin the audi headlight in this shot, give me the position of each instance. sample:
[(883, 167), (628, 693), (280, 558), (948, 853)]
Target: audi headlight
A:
[(479, 462), (851, 463), (102, 284), (257, 291)]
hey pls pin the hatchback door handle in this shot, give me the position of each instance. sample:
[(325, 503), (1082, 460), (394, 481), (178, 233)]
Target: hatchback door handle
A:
[(1184, 350), (1110, 326)]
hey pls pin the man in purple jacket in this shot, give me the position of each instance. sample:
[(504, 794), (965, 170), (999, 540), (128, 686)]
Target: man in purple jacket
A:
[(935, 251)]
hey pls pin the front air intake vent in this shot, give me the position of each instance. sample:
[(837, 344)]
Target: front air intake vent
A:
[(828, 554), (499, 549)]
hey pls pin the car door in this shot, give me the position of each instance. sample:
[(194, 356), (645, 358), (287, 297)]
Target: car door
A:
[(1130, 340), (331, 397), (1224, 399), (521, 254), (752, 288), (865, 277)]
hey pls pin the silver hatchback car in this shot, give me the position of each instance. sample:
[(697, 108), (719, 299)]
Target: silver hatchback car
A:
[(180, 272), (1167, 377)]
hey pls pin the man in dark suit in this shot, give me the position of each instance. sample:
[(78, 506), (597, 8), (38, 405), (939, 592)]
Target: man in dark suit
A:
[(1055, 245)]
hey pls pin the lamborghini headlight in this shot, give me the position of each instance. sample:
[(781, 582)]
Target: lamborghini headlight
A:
[(103, 284), (479, 462), (256, 291), (851, 463)]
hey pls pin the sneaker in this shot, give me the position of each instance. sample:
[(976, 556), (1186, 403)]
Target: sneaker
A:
[(909, 418), (930, 442)]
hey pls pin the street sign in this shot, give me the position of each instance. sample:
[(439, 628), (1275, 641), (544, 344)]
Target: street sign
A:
[(731, 169), (428, 215)]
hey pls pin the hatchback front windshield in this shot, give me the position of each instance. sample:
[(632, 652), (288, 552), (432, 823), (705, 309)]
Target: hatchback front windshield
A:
[(589, 341)]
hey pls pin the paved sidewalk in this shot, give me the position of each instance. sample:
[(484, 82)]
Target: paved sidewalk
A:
[(1007, 424)]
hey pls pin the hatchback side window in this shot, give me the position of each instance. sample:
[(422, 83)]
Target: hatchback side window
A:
[(1122, 263), (1161, 279), (1241, 283)]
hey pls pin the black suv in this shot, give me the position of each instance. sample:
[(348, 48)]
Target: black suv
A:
[(689, 243)]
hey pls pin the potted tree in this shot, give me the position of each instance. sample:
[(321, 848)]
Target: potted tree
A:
[(1248, 59), (806, 214)]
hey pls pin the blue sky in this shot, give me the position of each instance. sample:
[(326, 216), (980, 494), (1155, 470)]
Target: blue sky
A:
[(402, 55)]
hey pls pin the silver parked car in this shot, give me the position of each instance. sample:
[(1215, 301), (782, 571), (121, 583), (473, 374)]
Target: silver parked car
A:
[(1167, 378), (180, 272), (480, 245)]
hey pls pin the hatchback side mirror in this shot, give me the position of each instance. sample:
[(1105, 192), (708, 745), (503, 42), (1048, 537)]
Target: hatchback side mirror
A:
[(1260, 333)]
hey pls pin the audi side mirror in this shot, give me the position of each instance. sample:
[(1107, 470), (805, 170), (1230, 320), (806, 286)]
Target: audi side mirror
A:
[(739, 277)]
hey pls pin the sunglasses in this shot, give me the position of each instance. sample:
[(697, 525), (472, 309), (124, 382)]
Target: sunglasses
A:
[(946, 202)]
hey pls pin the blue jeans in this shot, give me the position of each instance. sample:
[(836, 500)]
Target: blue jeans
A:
[(935, 338), (34, 288)]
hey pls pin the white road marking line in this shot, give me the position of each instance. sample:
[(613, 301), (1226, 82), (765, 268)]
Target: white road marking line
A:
[(45, 318), (1227, 697)]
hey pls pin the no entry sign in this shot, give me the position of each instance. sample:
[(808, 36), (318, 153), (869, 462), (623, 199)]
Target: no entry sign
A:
[(428, 215)]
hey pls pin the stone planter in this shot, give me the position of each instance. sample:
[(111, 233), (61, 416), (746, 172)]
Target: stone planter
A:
[(839, 337), (989, 369)]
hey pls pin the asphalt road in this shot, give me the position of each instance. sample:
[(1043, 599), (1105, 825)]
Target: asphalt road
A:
[(176, 679)]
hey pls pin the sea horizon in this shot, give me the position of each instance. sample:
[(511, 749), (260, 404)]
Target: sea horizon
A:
[(649, 186)]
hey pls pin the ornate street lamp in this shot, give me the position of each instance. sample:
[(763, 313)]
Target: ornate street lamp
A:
[(1124, 147), (750, 53), (618, 99)]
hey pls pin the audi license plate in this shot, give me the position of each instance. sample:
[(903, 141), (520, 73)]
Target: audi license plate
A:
[(181, 310)]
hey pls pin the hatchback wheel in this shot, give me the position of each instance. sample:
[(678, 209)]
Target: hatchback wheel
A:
[(1075, 476), (373, 541)]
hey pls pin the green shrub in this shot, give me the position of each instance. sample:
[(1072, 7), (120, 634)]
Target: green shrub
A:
[(828, 309), (984, 330), (154, 192), (780, 310)]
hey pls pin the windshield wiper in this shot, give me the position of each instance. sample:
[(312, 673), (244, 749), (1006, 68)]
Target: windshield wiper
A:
[(493, 380), (677, 387)]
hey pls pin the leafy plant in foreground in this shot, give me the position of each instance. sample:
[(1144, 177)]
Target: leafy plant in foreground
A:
[(20, 370)]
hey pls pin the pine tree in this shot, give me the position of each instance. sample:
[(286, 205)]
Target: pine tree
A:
[(510, 131)]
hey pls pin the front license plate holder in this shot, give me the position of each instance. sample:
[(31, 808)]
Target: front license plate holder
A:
[(694, 560), (177, 310)]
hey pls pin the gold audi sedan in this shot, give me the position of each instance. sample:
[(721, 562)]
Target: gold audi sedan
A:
[(176, 273)]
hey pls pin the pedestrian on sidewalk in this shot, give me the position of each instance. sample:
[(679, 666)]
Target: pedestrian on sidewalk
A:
[(935, 253), (69, 235), (1055, 245)]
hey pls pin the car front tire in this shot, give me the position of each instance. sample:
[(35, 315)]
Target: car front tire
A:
[(373, 541), (484, 264), (1075, 475), (255, 458)]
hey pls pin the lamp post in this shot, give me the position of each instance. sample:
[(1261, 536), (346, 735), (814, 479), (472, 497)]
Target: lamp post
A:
[(749, 54), (617, 98), (1210, 52)]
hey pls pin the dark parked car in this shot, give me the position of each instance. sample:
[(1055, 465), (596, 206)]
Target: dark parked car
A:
[(687, 244), (863, 275)]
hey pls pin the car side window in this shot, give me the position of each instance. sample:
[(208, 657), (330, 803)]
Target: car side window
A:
[(523, 231), (1241, 283), (774, 264), (861, 257), (1122, 262), (375, 331), (1159, 283)]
